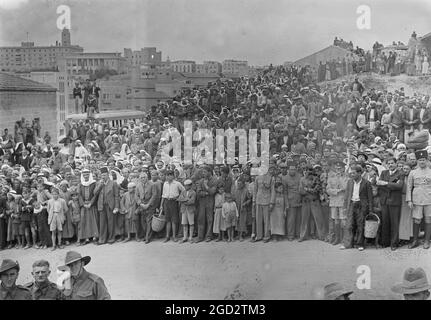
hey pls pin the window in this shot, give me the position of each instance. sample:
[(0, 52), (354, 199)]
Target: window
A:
[(117, 96), (61, 86)]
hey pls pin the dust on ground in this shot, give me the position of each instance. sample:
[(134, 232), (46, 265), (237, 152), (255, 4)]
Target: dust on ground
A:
[(232, 271)]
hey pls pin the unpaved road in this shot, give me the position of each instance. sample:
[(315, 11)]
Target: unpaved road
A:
[(238, 270)]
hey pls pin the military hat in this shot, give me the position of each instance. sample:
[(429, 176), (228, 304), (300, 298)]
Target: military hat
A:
[(421, 154), (8, 264), (73, 256)]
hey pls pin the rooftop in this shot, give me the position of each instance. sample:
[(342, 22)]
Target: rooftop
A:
[(13, 83)]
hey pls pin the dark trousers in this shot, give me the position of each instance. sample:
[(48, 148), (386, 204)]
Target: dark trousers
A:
[(293, 222), (43, 229), (107, 225), (205, 218), (145, 219), (311, 208), (390, 225), (3, 233), (354, 229)]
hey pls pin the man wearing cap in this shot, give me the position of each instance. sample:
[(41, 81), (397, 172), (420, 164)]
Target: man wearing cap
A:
[(418, 197), (336, 188), (332, 291), (358, 203), (309, 188), (84, 285), (206, 188), (9, 290), (415, 285), (41, 288), (107, 205), (290, 182)]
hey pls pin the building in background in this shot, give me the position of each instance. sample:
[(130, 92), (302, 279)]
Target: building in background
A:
[(23, 98), (59, 81), (327, 54), (186, 66), (131, 92), (90, 63), (148, 56), (29, 57), (209, 67), (235, 67)]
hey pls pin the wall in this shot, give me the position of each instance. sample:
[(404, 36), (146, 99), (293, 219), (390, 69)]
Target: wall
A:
[(18, 104)]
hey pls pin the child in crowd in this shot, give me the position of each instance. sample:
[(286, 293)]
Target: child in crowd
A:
[(129, 206), (187, 200), (27, 218), (230, 214), (75, 213), (219, 226), (56, 208)]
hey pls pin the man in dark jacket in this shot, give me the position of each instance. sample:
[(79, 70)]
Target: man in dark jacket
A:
[(390, 191)]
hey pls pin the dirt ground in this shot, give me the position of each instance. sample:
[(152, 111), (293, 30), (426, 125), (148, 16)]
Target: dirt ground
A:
[(238, 270)]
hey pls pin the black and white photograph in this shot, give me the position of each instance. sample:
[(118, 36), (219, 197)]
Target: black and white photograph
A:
[(225, 150)]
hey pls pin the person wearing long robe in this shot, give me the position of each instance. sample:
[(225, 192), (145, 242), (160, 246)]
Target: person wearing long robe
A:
[(243, 199), (68, 230), (278, 213), (87, 198)]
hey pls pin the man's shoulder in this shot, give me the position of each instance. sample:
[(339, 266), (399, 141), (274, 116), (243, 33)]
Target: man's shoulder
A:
[(95, 278), (23, 288), (28, 285)]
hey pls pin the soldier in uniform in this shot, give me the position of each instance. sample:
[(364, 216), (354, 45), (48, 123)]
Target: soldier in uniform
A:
[(84, 285), (9, 290), (42, 288), (291, 186), (418, 197)]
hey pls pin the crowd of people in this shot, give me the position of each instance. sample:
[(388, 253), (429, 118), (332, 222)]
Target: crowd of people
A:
[(340, 154)]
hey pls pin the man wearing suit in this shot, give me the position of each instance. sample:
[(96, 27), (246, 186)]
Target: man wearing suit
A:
[(358, 203), (107, 205), (390, 191), (263, 201)]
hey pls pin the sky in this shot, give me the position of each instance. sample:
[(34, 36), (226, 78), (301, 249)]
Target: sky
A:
[(260, 31)]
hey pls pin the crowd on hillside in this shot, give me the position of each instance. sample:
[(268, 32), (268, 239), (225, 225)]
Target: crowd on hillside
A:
[(340, 155)]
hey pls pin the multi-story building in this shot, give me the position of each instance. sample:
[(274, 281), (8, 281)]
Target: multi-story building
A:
[(23, 98), (209, 67), (183, 66), (29, 57), (148, 56), (59, 81), (235, 67), (86, 62)]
